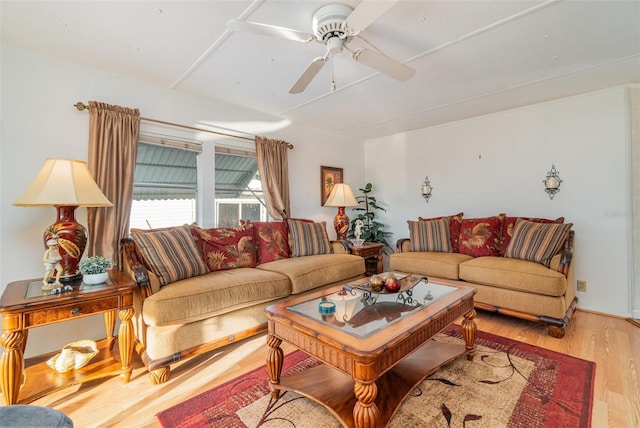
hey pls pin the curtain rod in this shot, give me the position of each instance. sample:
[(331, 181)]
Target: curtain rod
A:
[(82, 106)]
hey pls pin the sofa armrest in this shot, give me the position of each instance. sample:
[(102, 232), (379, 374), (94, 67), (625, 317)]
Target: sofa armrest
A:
[(136, 267), (566, 254), (403, 245)]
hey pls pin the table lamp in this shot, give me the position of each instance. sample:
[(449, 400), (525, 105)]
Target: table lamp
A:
[(341, 196), (64, 184)]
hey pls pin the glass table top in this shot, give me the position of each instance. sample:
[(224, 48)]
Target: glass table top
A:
[(34, 288), (358, 311)]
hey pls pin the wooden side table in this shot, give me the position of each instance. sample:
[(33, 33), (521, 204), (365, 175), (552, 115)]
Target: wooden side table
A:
[(372, 254), (24, 305)]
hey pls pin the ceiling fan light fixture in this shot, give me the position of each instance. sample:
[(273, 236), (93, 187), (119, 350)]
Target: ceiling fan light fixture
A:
[(334, 45)]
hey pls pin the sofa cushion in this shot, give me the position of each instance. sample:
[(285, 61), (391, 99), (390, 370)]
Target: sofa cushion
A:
[(514, 274), (171, 253), (454, 227), (213, 294), (480, 237), (509, 222), (430, 235), (271, 238), (537, 242), (228, 247), (306, 273), (436, 264), (308, 238)]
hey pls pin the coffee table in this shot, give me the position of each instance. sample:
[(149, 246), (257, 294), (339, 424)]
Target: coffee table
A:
[(376, 347)]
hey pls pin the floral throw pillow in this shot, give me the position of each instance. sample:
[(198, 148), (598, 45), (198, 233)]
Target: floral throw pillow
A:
[(272, 242), (228, 247), (480, 237)]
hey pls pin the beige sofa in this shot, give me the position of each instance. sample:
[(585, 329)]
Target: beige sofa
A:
[(211, 309), (506, 283)]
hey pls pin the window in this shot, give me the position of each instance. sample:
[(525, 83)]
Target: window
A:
[(167, 192), (238, 188), (164, 184)]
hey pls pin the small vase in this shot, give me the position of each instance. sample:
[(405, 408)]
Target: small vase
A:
[(95, 278)]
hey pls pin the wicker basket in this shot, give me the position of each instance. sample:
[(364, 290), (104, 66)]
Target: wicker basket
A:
[(73, 356)]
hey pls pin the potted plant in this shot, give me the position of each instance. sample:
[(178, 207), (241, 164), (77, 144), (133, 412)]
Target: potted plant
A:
[(94, 269), (371, 230)]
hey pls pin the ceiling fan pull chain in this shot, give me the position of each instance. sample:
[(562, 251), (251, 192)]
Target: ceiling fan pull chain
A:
[(333, 79)]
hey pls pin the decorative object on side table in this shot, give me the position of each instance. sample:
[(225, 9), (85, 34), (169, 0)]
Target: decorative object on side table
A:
[(52, 265), (64, 184), (371, 230), (357, 232), (341, 196), (94, 269), (426, 189), (552, 182)]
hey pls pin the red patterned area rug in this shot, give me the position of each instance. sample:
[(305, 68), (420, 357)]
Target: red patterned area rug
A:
[(509, 384)]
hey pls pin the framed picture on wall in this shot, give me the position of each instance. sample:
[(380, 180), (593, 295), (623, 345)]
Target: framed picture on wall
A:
[(328, 177)]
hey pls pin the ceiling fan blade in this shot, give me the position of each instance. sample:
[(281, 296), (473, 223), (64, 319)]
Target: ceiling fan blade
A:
[(270, 30), (384, 64), (307, 75), (366, 13)]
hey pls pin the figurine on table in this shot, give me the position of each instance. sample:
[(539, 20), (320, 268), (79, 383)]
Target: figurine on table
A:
[(51, 260), (358, 229)]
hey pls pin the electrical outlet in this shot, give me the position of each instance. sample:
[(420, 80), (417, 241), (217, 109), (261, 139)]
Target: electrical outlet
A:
[(582, 285)]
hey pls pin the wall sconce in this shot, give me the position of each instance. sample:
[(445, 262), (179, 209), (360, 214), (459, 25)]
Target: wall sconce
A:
[(426, 189), (552, 182)]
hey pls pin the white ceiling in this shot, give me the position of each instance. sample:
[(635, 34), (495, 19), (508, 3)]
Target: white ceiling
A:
[(471, 57)]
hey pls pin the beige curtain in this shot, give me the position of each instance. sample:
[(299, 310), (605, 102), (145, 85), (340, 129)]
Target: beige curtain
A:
[(273, 166), (113, 144)]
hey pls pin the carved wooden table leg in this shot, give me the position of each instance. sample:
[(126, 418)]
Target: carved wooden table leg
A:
[(469, 330), (12, 363), (125, 341), (109, 326), (365, 412), (275, 359)]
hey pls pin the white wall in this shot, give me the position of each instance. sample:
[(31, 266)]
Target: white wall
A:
[(39, 121), (492, 164)]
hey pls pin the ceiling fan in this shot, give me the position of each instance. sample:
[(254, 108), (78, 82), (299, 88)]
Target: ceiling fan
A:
[(335, 25)]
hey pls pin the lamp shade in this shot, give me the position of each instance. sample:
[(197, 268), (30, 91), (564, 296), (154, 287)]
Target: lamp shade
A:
[(63, 182), (341, 196)]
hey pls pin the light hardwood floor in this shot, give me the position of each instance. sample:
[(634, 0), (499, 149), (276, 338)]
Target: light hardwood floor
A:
[(613, 343)]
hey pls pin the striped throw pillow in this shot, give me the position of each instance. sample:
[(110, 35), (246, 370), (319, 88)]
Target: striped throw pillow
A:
[(430, 235), (536, 242), (172, 254), (307, 238)]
